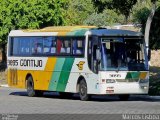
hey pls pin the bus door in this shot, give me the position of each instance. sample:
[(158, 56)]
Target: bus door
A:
[(94, 54)]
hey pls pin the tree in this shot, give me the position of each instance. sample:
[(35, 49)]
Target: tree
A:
[(154, 34), (148, 15), (15, 14), (78, 10), (124, 7), (107, 18)]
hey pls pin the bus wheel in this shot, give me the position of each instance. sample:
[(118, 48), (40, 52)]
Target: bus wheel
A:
[(83, 91), (124, 97), (30, 87)]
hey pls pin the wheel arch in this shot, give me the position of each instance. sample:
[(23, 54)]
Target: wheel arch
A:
[(78, 82), (27, 76)]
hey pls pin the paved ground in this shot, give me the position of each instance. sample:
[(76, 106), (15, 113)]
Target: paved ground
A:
[(16, 101)]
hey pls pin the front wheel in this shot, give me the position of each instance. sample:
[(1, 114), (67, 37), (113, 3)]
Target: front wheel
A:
[(83, 91)]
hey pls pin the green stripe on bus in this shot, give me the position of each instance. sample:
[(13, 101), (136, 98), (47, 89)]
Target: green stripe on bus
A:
[(133, 75), (65, 73), (56, 74)]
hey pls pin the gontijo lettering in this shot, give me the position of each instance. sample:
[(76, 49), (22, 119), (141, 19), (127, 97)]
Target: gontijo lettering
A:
[(26, 63)]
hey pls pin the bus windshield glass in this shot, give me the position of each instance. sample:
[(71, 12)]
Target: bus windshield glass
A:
[(122, 54)]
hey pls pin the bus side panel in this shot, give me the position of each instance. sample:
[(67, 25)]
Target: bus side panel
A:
[(16, 78), (43, 77), (80, 68), (61, 74)]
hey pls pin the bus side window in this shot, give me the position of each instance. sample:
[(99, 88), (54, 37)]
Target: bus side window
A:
[(38, 45), (78, 47), (59, 45), (49, 44), (53, 47), (64, 46), (39, 48)]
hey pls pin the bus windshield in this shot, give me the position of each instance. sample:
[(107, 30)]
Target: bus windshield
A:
[(122, 54)]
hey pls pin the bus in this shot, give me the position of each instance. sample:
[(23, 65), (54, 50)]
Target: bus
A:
[(78, 59)]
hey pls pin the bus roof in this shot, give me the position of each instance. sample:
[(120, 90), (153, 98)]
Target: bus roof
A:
[(114, 32), (55, 30), (73, 31)]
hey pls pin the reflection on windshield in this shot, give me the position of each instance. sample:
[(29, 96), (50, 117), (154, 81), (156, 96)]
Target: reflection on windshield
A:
[(117, 54)]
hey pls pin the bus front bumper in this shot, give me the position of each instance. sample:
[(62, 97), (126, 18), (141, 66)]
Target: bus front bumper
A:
[(124, 88)]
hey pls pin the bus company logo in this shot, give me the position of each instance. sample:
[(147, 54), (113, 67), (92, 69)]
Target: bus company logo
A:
[(80, 65), (25, 63), (115, 75)]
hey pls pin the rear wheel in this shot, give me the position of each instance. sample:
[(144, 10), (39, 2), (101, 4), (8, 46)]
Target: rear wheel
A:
[(124, 97), (83, 91), (30, 88)]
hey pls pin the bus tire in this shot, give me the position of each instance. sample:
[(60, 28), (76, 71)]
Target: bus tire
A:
[(30, 87), (124, 97), (83, 91)]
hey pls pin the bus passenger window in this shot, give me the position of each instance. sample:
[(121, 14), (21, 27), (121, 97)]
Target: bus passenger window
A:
[(78, 47), (53, 46), (38, 45), (39, 48), (59, 45), (49, 44)]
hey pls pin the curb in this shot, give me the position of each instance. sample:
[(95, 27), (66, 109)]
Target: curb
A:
[(4, 85)]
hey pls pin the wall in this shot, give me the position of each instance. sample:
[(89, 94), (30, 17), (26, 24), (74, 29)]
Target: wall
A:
[(155, 58)]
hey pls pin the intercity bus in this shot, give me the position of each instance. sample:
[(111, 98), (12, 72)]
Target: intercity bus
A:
[(78, 59)]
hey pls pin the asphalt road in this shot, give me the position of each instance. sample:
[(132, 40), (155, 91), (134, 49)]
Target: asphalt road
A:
[(16, 101)]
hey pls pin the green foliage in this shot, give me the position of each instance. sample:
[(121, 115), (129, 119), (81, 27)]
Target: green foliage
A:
[(15, 14), (155, 31), (107, 18), (101, 5), (123, 7), (97, 20), (78, 10), (140, 16)]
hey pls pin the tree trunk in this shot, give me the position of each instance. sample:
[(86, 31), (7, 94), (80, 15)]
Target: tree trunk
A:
[(4, 58), (148, 23), (147, 29)]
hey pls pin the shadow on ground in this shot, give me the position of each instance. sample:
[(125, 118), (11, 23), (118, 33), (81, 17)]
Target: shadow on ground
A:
[(94, 98)]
